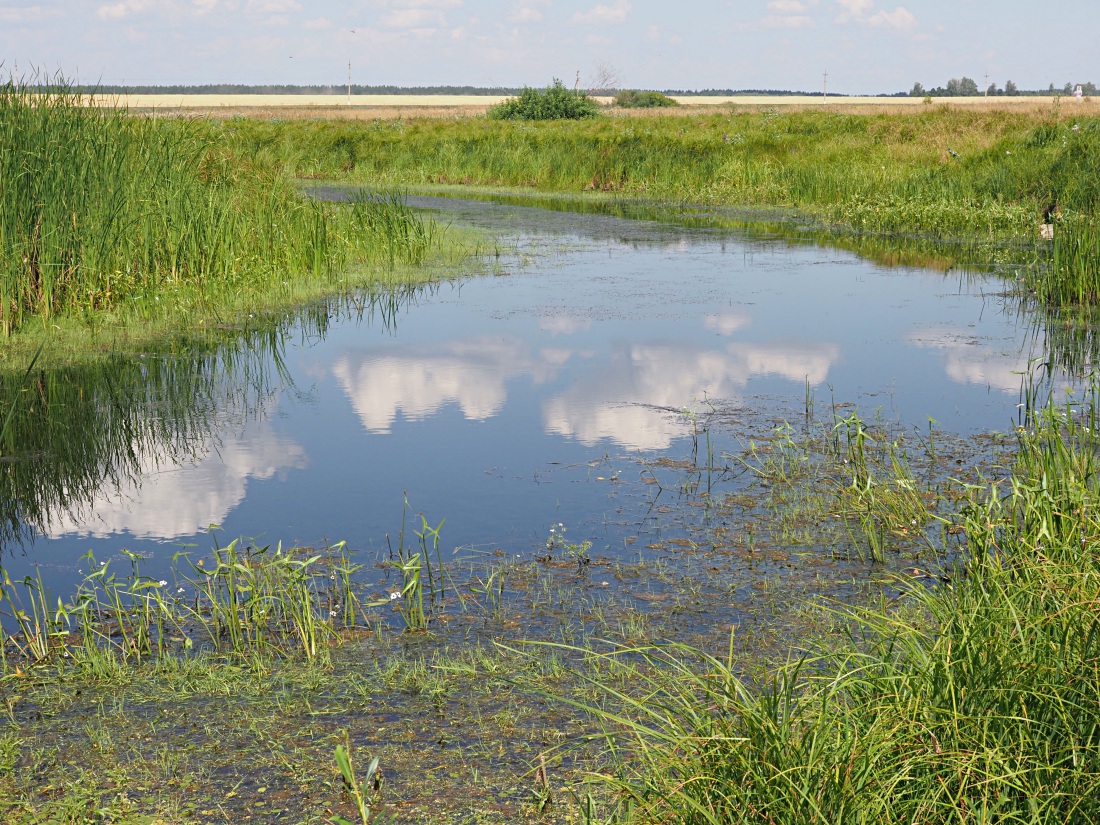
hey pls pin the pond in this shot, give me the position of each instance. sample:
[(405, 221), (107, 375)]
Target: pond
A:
[(540, 396)]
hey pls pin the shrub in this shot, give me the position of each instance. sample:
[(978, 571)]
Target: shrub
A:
[(633, 99), (554, 103)]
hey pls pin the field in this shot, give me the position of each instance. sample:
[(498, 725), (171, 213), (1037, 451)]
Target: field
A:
[(385, 107)]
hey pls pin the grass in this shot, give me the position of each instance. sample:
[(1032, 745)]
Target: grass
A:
[(971, 700), (950, 176), (109, 220)]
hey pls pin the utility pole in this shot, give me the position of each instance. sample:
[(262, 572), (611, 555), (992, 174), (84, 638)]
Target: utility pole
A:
[(987, 84), (349, 82), (825, 89)]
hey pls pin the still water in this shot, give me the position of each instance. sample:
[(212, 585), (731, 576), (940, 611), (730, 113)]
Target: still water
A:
[(507, 403)]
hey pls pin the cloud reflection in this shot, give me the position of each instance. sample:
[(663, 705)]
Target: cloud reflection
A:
[(472, 373), (167, 501), (968, 362), (629, 400)]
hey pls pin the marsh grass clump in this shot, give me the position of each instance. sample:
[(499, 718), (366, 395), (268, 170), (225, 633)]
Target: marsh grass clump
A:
[(973, 699), (553, 103), (103, 212), (634, 99)]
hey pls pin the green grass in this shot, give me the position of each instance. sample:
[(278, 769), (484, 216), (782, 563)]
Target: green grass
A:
[(109, 220), (971, 700), (952, 177)]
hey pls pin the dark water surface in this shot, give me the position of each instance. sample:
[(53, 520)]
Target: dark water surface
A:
[(513, 402)]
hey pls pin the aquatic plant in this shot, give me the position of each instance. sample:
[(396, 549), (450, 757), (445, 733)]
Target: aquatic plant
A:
[(365, 792), (969, 700), (106, 212)]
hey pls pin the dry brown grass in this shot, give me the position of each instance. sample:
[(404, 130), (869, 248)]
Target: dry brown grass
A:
[(389, 107)]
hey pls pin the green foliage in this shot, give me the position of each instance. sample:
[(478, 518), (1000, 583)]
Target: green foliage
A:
[(105, 212), (973, 700), (633, 99), (554, 103), (364, 793)]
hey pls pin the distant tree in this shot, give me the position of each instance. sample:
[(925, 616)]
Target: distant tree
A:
[(1088, 88), (1010, 88), (962, 87), (1051, 90), (555, 103), (992, 91), (604, 80), (917, 91)]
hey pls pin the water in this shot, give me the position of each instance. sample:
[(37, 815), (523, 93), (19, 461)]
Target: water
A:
[(509, 403)]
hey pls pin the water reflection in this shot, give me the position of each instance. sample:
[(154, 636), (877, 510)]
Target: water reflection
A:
[(417, 383), (628, 399), (138, 443), (968, 361), (165, 498)]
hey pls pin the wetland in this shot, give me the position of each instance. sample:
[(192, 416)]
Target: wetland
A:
[(630, 487)]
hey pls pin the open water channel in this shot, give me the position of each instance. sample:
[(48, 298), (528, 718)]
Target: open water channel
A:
[(540, 396)]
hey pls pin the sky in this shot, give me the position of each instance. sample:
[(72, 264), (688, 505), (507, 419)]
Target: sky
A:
[(865, 46)]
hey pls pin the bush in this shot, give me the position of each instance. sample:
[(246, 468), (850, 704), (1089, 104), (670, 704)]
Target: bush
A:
[(554, 103), (633, 99)]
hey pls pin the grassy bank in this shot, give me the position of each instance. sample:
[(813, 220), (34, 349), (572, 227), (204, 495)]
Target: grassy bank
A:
[(936, 172), (147, 227), (968, 697)]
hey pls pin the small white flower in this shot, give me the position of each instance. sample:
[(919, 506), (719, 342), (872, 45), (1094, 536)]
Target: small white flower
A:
[(163, 582), (394, 595), (331, 613)]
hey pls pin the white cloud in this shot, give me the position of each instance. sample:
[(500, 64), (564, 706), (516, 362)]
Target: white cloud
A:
[(791, 6), (899, 18), (30, 14), (120, 11), (858, 11), (414, 19), (775, 21), (615, 12), (273, 6), (526, 11)]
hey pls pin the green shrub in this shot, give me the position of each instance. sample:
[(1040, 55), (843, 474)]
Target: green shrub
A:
[(554, 103), (634, 99)]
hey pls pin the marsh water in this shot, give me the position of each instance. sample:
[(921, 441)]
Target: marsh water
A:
[(538, 396)]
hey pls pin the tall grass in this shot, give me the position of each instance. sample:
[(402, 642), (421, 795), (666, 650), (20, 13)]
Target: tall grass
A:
[(103, 211), (950, 175), (974, 700)]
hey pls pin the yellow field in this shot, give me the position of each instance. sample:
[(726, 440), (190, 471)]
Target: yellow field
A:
[(387, 106)]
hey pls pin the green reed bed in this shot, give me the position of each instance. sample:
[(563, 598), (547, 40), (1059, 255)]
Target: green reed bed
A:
[(107, 215), (973, 699)]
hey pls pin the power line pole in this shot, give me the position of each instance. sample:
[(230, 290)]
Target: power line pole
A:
[(987, 84), (825, 89), (349, 82)]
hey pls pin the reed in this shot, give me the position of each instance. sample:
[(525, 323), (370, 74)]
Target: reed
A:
[(102, 212)]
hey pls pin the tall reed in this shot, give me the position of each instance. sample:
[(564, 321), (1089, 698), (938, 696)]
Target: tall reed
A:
[(101, 210)]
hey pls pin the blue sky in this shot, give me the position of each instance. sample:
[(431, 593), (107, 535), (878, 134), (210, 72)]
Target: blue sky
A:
[(867, 46)]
